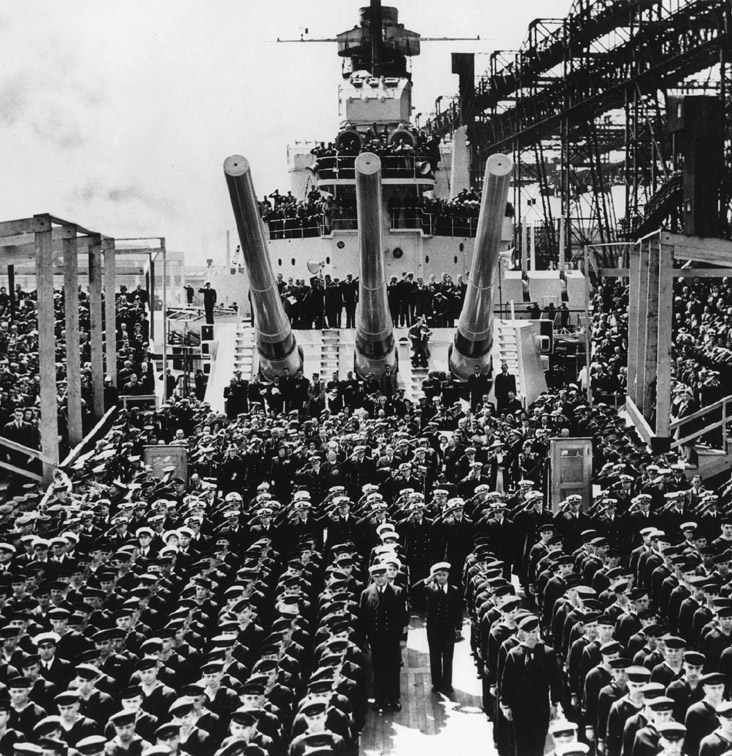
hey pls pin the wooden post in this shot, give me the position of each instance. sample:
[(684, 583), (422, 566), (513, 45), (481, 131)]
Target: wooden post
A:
[(524, 248), (664, 308), (47, 345), (151, 292), (73, 354), (164, 338), (651, 330), (640, 326), (634, 265), (562, 261), (533, 245), (588, 325), (110, 310), (95, 316), (11, 291)]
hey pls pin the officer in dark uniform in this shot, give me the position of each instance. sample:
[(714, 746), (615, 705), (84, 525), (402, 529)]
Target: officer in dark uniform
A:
[(530, 689), (444, 621), (384, 618)]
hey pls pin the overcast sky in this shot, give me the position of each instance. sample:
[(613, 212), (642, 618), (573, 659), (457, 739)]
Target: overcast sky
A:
[(118, 115)]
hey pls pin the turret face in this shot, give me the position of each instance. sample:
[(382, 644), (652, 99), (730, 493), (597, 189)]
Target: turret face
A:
[(374, 328), (275, 341), (474, 335)]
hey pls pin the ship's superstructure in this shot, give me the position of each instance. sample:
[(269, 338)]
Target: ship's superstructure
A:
[(419, 174)]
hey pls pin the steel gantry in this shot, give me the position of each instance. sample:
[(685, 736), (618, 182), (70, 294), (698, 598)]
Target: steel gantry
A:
[(592, 91)]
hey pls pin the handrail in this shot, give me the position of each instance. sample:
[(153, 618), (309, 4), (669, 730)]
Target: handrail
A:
[(27, 450), (410, 219), (405, 165), (137, 399), (719, 405)]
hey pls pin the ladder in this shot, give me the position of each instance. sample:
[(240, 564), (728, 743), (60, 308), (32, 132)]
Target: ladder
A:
[(330, 347), (507, 351), (244, 350)]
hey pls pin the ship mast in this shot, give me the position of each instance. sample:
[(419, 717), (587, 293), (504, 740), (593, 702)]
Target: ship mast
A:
[(377, 35)]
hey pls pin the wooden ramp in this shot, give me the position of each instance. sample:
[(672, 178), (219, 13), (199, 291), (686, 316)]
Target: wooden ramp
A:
[(431, 724)]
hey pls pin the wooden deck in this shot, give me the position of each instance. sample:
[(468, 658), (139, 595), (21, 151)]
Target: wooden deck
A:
[(431, 724)]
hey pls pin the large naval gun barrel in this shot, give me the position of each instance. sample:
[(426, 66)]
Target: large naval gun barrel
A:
[(474, 335), (275, 341), (374, 329)]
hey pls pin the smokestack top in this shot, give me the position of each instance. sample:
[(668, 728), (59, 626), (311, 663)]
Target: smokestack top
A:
[(367, 163), (499, 165), (236, 165)]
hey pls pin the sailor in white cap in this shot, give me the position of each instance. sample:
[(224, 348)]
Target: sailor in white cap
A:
[(444, 622)]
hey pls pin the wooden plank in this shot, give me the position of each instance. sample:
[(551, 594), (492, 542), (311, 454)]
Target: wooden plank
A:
[(633, 322), (639, 422), (20, 226), (664, 340), (678, 273), (650, 355), (640, 326), (97, 343), (73, 354), (21, 471), (47, 353), (110, 311), (707, 250), (34, 453), (97, 432)]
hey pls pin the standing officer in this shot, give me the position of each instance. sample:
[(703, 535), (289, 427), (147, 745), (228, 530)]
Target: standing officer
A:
[(209, 301), (444, 620), (530, 689), (384, 618)]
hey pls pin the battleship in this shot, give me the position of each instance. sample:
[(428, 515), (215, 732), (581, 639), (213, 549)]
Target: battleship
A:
[(386, 195)]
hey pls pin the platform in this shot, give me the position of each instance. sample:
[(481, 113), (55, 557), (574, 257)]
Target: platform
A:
[(431, 724)]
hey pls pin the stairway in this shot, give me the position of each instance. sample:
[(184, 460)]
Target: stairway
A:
[(409, 378), (330, 348), (244, 351), (507, 351)]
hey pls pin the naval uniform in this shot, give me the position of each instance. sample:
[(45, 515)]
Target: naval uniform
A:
[(444, 620), (530, 680), (383, 616)]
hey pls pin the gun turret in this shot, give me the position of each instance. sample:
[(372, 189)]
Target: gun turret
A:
[(374, 329), (474, 335), (276, 343)]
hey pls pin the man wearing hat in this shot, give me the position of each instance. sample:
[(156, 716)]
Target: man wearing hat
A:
[(444, 622), (647, 739), (74, 726), (701, 718), (384, 618), (24, 714), (720, 741), (93, 745), (671, 739), (530, 689), (126, 742), (688, 690), (564, 733), (8, 736), (624, 708)]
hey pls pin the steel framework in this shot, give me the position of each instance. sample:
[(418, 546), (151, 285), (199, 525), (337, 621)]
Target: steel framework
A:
[(591, 90)]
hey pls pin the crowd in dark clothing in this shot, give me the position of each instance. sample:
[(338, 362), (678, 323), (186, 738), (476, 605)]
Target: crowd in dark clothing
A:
[(701, 344), (217, 607), (405, 141), (135, 370), (229, 611), (323, 300), (19, 380)]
